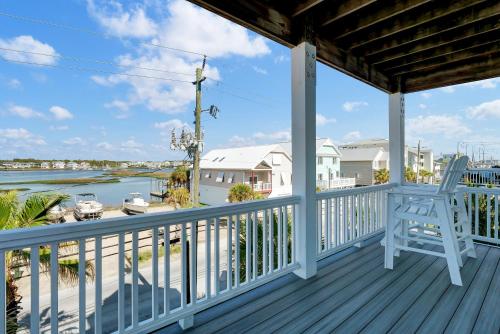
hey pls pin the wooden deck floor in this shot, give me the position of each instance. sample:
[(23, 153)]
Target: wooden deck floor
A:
[(353, 293)]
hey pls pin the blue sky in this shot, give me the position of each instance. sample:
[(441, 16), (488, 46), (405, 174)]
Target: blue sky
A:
[(75, 108)]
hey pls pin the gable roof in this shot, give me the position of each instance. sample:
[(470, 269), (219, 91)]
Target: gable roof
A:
[(363, 154), (240, 158), (320, 142)]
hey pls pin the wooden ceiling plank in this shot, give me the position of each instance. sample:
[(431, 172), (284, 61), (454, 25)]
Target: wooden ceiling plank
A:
[(305, 6), (412, 20), (424, 36), (460, 56), (341, 9), (367, 20)]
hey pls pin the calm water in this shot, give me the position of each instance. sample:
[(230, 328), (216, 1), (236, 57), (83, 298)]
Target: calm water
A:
[(110, 194)]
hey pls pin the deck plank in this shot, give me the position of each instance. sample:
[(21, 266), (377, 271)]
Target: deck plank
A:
[(440, 315), (303, 315), (465, 316), (488, 320), (416, 313), (332, 271)]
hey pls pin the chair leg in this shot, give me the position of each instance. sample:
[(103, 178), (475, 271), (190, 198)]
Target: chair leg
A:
[(466, 228), (389, 234), (446, 224)]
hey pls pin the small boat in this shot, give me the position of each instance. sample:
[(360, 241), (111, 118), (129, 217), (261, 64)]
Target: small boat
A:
[(56, 214), (87, 207), (135, 204)]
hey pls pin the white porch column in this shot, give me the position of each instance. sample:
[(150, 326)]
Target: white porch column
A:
[(397, 137), (304, 155)]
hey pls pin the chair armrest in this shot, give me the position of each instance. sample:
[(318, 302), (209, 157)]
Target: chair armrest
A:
[(408, 193)]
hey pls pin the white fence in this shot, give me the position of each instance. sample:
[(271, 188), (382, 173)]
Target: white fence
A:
[(482, 176), (344, 182), (345, 217), (240, 246)]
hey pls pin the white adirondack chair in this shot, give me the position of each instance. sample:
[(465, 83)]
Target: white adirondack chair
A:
[(426, 215)]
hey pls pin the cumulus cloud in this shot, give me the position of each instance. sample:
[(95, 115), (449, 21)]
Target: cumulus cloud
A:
[(351, 136), (283, 135), (487, 84), (426, 95), (259, 70), (59, 128), (323, 120), (485, 110), (131, 146), (171, 124), (449, 126), (20, 137), (448, 89), (354, 105), (14, 83), (422, 106), (74, 141), (24, 112), (105, 146), (60, 113), (281, 59), (260, 138), (28, 43), (187, 27)]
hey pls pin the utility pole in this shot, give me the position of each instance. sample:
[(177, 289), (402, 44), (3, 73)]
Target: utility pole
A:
[(197, 136)]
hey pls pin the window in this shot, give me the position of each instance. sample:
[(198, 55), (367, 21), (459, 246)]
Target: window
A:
[(220, 177), (334, 160), (320, 160), (208, 175), (337, 172), (230, 178), (276, 159), (320, 177)]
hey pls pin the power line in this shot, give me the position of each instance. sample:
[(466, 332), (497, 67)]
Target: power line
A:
[(88, 69), (98, 61), (240, 96), (88, 31)]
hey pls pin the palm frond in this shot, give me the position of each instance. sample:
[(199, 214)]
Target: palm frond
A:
[(35, 209), (8, 207)]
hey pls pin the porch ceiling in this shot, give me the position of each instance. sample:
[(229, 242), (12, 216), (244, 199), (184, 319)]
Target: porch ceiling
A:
[(394, 45)]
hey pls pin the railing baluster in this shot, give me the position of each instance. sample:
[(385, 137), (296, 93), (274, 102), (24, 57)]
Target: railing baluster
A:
[(271, 241), (352, 224), (237, 251), (54, 295), (328, 224), (496, 217), (488, 216), (293, 211), (82, 304), (254, 245), (166, 269), (248, 240), (3, 294), (35, 292), (265, 244), (285, 236), (121, 282), (280, 238), (229, 252), (184, 276), (98, 285), (193, 267), (319, 222), (135, 279), (476, 211), (208, 257), (469, 212), (217, 255), (154, 286)]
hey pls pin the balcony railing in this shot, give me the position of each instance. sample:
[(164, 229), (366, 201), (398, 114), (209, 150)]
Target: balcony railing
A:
[(345, 217), (482, 176), (253, 243), (344, 182), (261, 186)]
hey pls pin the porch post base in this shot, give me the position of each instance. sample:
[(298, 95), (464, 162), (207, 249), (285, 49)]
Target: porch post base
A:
[(186, 322)]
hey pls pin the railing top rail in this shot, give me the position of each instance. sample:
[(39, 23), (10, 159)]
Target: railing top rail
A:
[(26, 237), (492, 169), (479, 190), (354, 191)]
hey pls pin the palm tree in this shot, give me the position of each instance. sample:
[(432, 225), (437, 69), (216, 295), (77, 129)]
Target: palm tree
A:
[(241, 192), (33, 212), (179, 177), (382, 176), (179, 197)]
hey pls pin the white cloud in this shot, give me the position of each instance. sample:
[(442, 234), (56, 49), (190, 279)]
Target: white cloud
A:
[(24, 112), (59, 128), (20, 137), (485, 110), (260, 138), (426, 95), (118, 22), (487, 84), (60, 113), (353, 135), (186, 27), (118, 104), (448, 89), (281, 59), (283, 135), (323, 120), (422, 106), (105, 146), (354, 105), (171, 124), (28, 43), (448, 126), (74, 141), (259, 70), (14, 83), (131, 146), (238, 141)]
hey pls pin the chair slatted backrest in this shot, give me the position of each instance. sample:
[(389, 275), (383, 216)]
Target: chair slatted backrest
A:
[(453, 174)]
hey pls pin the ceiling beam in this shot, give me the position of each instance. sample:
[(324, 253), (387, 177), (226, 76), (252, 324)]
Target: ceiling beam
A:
[(451, 74), (458, 56), (468, 23), (340, 9), (304, 6), (410, 20), (367, 19)]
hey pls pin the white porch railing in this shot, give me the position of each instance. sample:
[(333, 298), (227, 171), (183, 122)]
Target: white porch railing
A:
[(483, 209), (261, 186), (345, 217), (482, 176), (258, 248), (344, 182)]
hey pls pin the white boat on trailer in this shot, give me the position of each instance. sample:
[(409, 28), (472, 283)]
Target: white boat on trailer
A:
[(87, 207), (135, 204)]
